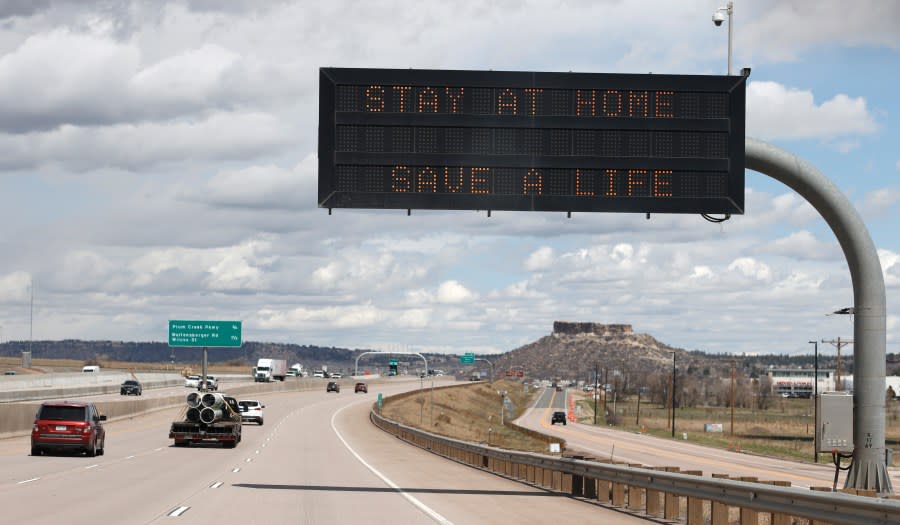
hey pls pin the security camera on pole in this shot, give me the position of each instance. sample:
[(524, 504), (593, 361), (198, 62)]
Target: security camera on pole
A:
[(718, 17)]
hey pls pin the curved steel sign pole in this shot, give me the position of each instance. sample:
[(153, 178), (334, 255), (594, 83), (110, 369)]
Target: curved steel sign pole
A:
[(868, 470)]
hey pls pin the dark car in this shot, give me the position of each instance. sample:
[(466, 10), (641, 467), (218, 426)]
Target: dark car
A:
[(333, 387), (64, 425), (558, 417), (361, 387), (131, 386)]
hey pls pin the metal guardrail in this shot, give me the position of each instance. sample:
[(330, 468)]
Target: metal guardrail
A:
[(671, 495)]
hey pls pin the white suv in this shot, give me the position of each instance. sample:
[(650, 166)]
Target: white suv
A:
[(251, 410), (192, 382)]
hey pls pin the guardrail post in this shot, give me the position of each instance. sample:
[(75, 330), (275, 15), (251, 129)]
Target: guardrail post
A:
[(749, 516), (779, 518), (671, 501), (653, 508), (819, 489), (618, 494), (635, 494), (556, 483), (694, 505), (547, 480), (718, 511), (603, 489)]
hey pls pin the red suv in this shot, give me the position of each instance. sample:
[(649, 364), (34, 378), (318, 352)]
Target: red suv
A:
[(67, 425)]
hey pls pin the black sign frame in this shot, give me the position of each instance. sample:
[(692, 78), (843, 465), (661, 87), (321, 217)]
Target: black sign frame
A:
[(393, 174)]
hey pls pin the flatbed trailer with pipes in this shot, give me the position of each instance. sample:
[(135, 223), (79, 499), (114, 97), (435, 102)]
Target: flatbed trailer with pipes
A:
[(208, 418)]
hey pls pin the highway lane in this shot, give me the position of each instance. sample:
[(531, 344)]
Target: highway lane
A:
[(316, 460), (609, 443)]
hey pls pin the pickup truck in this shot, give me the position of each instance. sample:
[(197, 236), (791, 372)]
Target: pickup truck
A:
[(212, 382)]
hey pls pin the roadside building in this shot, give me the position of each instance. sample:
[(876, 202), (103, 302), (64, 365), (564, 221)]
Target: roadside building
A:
[(798, 382)]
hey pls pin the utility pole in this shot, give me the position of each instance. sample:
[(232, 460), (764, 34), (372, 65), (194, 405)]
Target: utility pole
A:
[(596, 391), (733, 367), (673, 394), (838, 386), (605, 382)]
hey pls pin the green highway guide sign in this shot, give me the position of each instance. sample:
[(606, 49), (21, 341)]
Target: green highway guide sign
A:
[(205, 333), (467, 359)]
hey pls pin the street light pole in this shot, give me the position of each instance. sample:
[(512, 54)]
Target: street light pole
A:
[(816, 401)]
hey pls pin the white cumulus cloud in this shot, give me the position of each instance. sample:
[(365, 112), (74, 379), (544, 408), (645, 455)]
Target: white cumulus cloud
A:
[(452, 292), (775, 111), (540, 259)]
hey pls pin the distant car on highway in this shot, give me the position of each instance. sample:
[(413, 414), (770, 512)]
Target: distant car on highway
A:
[(333, 387), (337, 375), (64, 425), (361, 387), (558, 417), (251, 410), (131, 387), (9, 373), (212, 382)]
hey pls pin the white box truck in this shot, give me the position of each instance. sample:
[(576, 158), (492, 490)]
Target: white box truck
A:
[(270, 370)]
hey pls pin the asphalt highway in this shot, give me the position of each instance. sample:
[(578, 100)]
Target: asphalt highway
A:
[(316, 460), (651, 451)]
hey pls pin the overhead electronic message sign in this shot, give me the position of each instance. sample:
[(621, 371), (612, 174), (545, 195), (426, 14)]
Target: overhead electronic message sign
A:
[(491, 140)]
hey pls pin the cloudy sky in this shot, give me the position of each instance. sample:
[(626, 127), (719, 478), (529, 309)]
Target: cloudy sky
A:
[(158, 161)]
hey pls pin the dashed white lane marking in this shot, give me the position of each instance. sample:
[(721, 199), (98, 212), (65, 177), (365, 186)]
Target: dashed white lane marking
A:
[(178, 512), (409, 497), (92, 466), (236, 469), (216, 485), (248, 460), (131, 457), (24, 481)]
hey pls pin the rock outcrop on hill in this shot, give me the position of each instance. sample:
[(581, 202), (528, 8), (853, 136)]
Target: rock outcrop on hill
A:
[(573, 351)]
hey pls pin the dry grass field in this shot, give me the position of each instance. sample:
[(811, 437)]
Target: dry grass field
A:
[(784, 430), (470, 413)]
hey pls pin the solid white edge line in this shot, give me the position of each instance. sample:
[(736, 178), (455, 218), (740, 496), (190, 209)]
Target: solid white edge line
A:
[(409, 497)]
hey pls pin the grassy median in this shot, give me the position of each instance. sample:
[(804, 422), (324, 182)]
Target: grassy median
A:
[(469, 412)]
